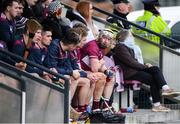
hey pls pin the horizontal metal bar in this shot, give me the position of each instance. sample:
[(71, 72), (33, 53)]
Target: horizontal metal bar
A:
[(10, 74), (13, 90), (158, 45), (38, 80), (33, 64)]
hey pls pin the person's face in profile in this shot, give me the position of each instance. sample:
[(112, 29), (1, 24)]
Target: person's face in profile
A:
[(37, 37), (82, 42), (46, 38), (21, 7), (13, 9)]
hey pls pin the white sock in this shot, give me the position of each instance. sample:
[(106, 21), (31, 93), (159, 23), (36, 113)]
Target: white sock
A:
[(165, 87), (156, 103)]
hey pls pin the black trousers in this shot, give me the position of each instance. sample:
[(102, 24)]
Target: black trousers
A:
[(151, 76)]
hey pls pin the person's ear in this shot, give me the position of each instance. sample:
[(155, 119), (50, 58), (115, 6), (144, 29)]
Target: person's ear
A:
[(130, 7), (8, 8)]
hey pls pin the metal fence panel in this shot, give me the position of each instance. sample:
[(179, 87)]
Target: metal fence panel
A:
[(10, 103), (44, 105), (171, 68)]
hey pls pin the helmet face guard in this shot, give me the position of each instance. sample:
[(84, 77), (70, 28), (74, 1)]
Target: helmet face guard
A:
[(106, 33)]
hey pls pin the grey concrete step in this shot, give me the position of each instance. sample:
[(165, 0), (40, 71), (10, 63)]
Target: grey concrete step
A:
[(146, 116), (173, 122)]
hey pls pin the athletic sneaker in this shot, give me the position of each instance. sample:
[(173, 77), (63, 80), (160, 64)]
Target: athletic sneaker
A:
[(160, 108), (170, 93)]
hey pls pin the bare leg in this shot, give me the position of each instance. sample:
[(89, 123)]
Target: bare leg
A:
[(108, 88), (84, 85), (73, 87), (99, 87), (90, 94)]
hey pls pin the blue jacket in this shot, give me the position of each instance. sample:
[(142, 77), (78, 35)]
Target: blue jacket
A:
[(59, 59), (37, 56), (7, 32), (19, 47)]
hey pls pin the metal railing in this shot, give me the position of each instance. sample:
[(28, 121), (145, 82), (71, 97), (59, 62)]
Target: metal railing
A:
[(17, 74), (21, 92)]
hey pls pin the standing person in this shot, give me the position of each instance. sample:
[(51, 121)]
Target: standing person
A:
[(145, 73), (151, 19), (121, 9), (7, 22)]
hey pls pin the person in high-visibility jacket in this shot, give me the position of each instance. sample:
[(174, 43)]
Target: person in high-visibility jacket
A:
[(152, 20)]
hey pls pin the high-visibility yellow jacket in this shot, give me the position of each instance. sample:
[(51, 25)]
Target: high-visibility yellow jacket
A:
[(154, 23)]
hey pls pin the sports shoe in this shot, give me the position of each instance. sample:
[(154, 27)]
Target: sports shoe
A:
[(160, 108), (170, 93)]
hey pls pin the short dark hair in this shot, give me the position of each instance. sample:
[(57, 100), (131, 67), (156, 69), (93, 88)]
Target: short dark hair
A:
[(151, 8), (71, 37), (7, 3), (46, 28)]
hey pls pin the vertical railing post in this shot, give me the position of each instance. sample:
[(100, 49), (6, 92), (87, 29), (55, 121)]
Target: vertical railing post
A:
[(66, 101), (161, 54), (23, 102)]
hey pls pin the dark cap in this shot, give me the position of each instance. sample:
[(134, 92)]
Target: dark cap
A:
[(119, 1), (154, 2)]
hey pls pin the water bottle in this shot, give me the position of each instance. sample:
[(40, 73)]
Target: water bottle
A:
[(88, 109), (130, 109), (127, 110)]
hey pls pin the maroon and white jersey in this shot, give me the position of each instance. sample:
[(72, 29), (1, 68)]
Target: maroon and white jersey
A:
[(90, 51)]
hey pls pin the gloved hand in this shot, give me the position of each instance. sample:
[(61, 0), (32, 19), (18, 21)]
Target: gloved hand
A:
[(109, 73)]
